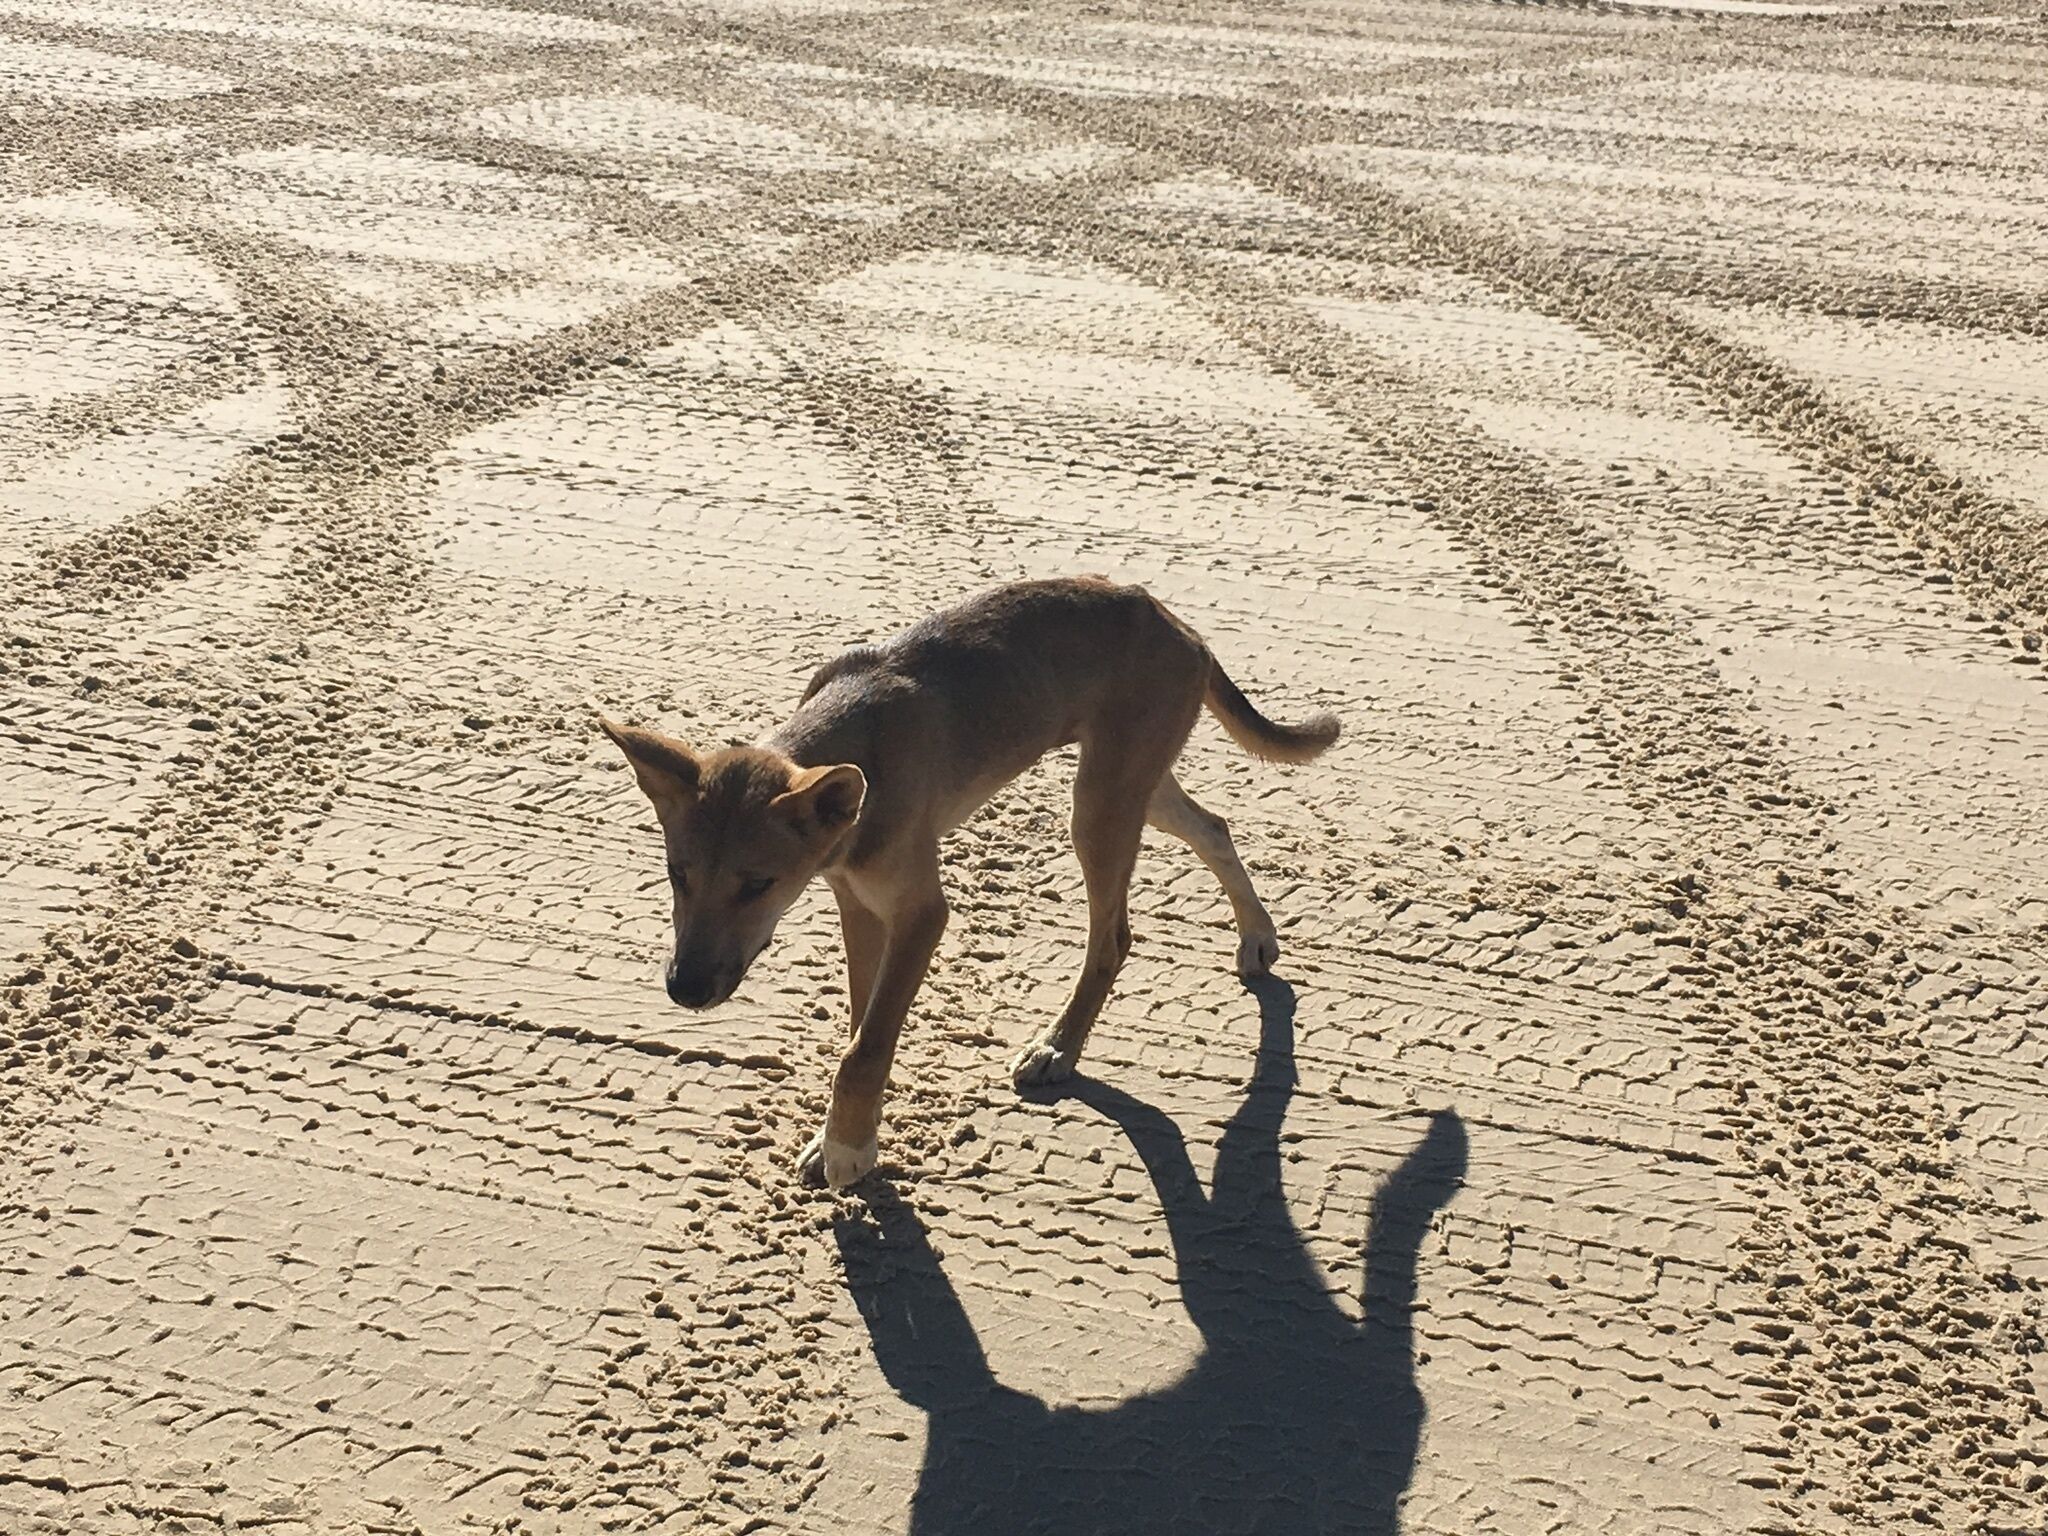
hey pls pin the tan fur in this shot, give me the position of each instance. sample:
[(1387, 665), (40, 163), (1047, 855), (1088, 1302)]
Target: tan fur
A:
[(1258, 735), (894, 745)]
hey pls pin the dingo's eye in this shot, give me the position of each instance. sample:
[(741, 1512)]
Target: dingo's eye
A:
[(754, 890)]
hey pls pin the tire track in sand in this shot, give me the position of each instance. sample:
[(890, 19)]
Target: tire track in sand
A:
[(1977, 539), (368, 402), (368, 419), (1797, 968), (370, 410), (1597, 611), (1798, 956), (1802, 992)]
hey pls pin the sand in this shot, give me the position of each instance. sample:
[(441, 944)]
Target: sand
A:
[(1629, 419)]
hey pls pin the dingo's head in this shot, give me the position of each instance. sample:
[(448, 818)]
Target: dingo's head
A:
[(745, 828)]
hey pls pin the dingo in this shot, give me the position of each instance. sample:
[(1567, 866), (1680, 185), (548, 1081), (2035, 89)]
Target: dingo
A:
[(894, 745)]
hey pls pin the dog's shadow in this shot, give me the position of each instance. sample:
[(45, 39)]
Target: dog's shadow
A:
[(1295, 1417)]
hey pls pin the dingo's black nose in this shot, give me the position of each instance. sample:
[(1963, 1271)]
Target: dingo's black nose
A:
[(691, 991)]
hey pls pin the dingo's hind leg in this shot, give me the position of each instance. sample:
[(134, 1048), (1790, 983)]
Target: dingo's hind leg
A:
[(1174, 813), (1111, 791)]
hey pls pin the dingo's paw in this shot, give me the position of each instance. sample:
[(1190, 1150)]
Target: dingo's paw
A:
[(1041, 1064), (1256, 953), (828, 1162)]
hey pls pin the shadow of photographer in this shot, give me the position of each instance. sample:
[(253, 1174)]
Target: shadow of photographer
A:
[(1295, 1417)]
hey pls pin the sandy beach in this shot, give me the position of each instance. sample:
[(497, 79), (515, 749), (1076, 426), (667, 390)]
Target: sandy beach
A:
[(1631, 420)]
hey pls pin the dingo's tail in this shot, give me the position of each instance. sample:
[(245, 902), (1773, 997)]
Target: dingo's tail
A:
[(1259, 736)]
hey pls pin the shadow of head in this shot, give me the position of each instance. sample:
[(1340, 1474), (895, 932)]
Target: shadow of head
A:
[(1297, 1415)]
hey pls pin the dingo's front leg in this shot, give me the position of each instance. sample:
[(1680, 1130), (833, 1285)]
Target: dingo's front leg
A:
[(865, 935), (845, 1149)]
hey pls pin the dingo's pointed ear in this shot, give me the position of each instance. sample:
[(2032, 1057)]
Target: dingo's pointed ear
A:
[(823, 800), (666, 769)]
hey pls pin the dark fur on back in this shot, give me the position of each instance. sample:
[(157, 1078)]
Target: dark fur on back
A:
[(846, 661)]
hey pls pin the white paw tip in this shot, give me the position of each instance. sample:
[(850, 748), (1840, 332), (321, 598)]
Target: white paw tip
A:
[(1041, 1064), (845, 1165)]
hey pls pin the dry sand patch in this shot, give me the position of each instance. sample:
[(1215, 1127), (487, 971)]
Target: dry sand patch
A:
[(1625, 419)]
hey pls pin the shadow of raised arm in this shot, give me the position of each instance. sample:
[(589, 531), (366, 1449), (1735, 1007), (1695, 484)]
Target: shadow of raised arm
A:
[(1294, 1417)]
